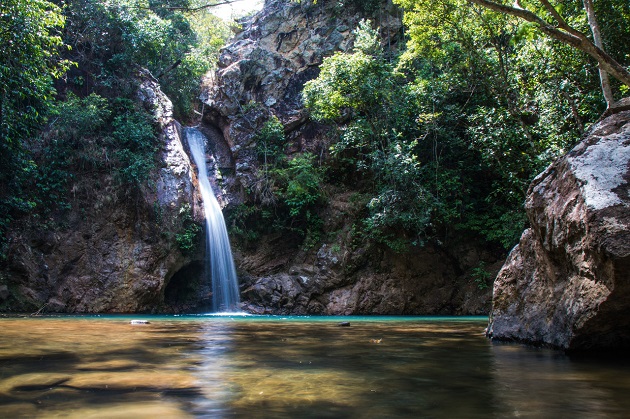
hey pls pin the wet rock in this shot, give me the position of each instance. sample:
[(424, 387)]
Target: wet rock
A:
[(567, 283)]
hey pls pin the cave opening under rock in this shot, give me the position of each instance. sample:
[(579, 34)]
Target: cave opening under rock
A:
[(187, 290)]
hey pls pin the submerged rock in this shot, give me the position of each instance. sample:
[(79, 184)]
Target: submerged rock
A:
[(567, 283)]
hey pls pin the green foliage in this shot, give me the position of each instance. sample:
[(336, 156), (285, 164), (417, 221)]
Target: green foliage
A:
[(92, 133), (366, 39), (303, 185), (29, 63), (270, 141), (136, 144), (289, 189), (245, 222), (510, 102), (453, 132), (188, 238), (77, 117), (481, 276), (176, 45), (378, 113), (365, 6)]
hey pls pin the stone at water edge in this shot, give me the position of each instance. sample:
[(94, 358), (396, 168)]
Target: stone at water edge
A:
[(567, 283)]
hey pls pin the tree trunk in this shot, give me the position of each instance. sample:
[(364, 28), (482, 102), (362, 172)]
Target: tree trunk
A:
[(597, 38)]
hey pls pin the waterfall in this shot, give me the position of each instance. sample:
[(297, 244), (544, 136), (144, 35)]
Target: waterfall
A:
[(219, 262)]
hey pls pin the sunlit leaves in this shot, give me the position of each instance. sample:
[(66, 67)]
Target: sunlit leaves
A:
[(380, 118), (30, 43), (178, 46)]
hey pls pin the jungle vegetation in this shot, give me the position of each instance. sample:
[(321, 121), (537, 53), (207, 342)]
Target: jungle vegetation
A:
[(68, 75), (450, 129), (440, 132)]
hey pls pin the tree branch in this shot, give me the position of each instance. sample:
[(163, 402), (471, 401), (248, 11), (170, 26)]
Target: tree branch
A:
[(205, 6), (597, 39), (561, 22), (606, 62)]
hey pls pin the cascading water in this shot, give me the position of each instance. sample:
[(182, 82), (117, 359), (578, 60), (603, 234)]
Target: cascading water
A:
[(219, 264)]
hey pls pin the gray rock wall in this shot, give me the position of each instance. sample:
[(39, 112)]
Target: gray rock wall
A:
[(262, 73)]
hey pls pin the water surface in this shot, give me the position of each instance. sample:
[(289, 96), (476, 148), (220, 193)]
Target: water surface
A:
[(287, 367)]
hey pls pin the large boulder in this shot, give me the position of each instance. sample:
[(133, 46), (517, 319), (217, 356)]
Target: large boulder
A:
[(567, 283)]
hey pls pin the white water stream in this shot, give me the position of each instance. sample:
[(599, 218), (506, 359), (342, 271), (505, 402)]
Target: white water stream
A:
[(219, 261)]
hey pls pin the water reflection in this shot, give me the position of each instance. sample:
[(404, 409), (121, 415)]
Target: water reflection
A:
[(533, 382), (212, 369), (369, 370), (215, 367)]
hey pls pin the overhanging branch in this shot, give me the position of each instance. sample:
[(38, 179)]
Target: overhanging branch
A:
[(570, 37), (205, 6)]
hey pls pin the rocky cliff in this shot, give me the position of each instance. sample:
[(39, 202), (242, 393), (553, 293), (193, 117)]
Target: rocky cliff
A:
[(262, 73), (115, 251), (567, 283)]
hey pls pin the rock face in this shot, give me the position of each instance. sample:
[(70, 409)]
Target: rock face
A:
[(117, 251), (262, 73), (334, 281), (567, 283)]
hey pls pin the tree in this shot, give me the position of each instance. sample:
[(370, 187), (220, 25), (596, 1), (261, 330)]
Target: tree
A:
[(563, 32), (177, 46), (29, 62), (379, 118), (30, 44)]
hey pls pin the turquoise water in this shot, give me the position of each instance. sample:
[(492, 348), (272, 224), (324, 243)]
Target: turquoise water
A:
[(209, 366)]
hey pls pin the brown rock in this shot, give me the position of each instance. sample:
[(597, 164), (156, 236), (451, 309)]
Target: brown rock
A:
[(567, 283), (116, 251)]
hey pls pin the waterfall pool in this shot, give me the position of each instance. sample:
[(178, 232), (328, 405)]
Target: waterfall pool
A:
[(235, 366)]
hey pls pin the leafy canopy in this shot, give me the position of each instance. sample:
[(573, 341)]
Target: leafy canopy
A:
[(30, 46)]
